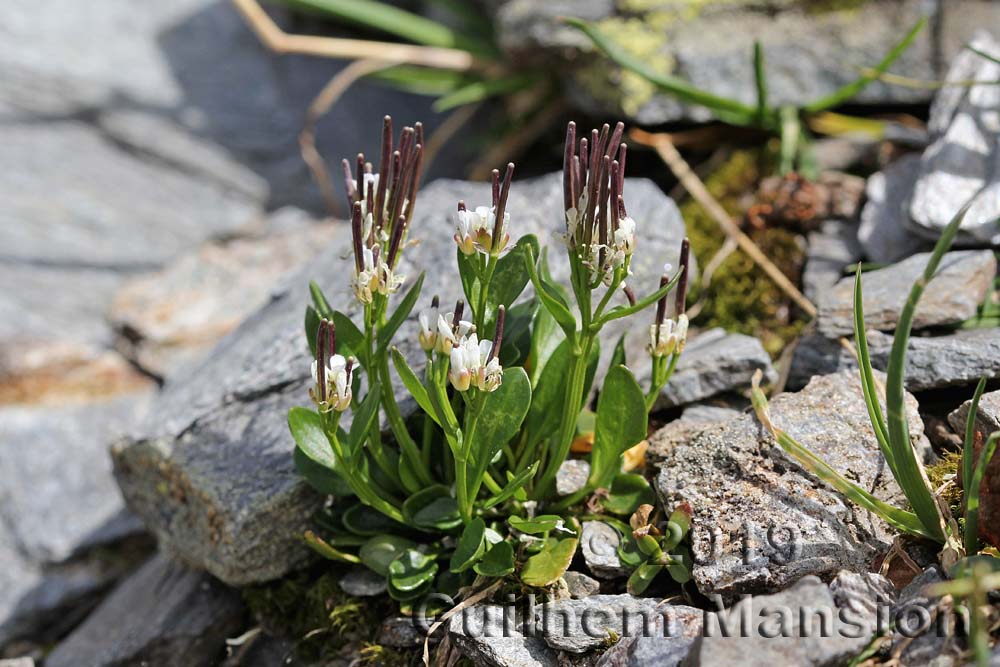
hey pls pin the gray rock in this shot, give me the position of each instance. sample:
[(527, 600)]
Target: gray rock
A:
[(599, 546), (709, 413), (399, 632), (805, 625), (362, 582), (185, 623), (709, 45), (831, 248), (963, 162), (580, 585), (932, 362), (885, 231), (953, 295), (18, 662), (925, 632), (572, 476), (661, 648), (692, 421), (173, 317), (578, 626), (712, 363), (760, 521), (490, 635), (987, 423), (212, 474)]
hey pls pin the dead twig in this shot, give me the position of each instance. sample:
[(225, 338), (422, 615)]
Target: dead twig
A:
[(694, 185), (277, 40)]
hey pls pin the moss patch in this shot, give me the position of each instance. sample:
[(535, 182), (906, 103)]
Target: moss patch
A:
[(943, 469), (740, 296)]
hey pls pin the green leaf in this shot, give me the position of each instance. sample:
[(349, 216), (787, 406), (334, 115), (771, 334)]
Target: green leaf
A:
[(621, 423), (618, 354), (385, 18), (477, 91), (909, 471), (628, 491), (378, 552), (364, 417), (678, 526), (619, 312), (549, 564), (550, 298), (969, 443), (414, 385), (972, 494), (470, 547), (411, 574), (642, 577), (432, 508), (550, 390), (510, 276), (500, 420), (350, 340), (420, 80), (320, 303), (399, 316), (364, 520), (517, 334), (324, 549), (545, 338), (730, 111), (514, 484), (314, 457), (312, 328), (844, 93), (498, 561), (679, 567), (868, 386), (536, 525), (760, 79)]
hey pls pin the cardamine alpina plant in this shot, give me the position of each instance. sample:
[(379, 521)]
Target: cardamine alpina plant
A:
[(466, 486)]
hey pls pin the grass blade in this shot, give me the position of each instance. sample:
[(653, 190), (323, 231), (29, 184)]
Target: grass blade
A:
[(972, 495), (909, 471), (867, 377), (726, 109), (901, 520), (848, 91), (968, 445), (477, 91), (761, 81)]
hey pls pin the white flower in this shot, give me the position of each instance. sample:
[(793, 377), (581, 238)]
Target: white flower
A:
[(625, 236), (668, 337), (388, 282), (339, 374), (469, 223), (366, 281), (471, 365), (447, 338), (474, 231), (428, 335)]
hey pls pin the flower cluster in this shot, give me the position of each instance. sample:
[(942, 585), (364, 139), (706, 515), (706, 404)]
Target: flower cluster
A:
[(473, 363), (597, 224), (332, 374), (381, 211), (668, 336), (484, 230)]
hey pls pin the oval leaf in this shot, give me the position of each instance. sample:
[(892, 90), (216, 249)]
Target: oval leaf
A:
[(498, 561), (381, 550), (627, 493), (621, 423), (314, 457), (545, 567), (471, 546)]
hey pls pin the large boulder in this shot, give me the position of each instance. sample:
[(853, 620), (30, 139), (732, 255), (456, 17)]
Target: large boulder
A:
[(760, 521), (212, 474)]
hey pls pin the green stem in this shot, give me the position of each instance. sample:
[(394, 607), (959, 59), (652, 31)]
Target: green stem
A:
[(397, 424), (360, 488)]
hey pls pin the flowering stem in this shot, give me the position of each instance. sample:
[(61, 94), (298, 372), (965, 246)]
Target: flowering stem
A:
[(661, 374), (397, 424)]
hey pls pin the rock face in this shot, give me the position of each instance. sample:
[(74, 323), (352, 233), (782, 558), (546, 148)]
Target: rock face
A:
[(885, 232), (987, 423), (174, 316), (831, 248), (714, 362), (710, 44), (932, 362), (808, 625), (953, 295), (213, 475), (184, 623), (659, 648), (760, 522), (490, 635), (963, 162)]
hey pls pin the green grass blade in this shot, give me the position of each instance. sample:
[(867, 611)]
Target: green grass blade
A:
[(968, 445), (791, 130), (867, 377), (761, 81), (848, 91), (901, 520), (972, 495), (726, 109), (420, 80), (909, 471), (383, 17), (477, 91)]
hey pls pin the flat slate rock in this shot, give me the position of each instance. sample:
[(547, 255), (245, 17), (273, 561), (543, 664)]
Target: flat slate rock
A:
[(212, 474), (760, 521), (963, 162), (667, 645), (932, 362), (714, 362), (885, 233), (954, 294), (830, 249), (163, 615), (490, 635), (987, 423), (807, 625)]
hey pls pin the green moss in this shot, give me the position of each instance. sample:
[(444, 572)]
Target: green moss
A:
[(375, 655), (315, 613), (740, 296), (942, 470)]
